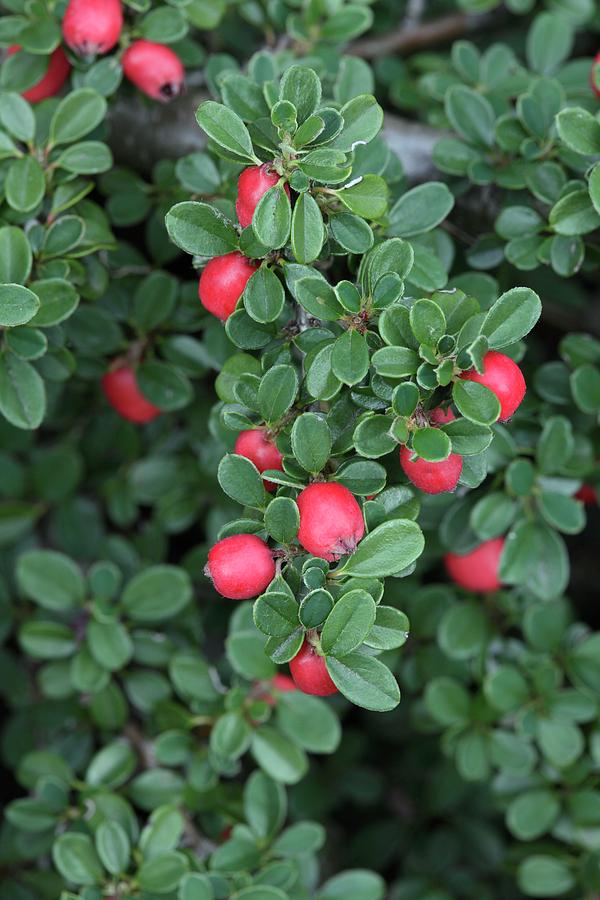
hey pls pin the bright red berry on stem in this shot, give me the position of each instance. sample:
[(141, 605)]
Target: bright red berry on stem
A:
[(587, 494), (502, 376), (154, 69), (51, 83), (431, 477), (331, 521), (309, 672), (122, 392), (477, 570), (252, 184), (92, 26), (595, 75), (223, 281), (439, 416), (241, 566), (256, 446)]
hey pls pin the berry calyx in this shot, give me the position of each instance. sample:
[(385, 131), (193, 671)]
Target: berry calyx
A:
[(595, 75), (431, 477), (587, 494), (256, 446), (331, 521), (51, 83), (504, 378), (155, 69), (122, 392), (477, 570), (440, 416), (309, 671), (223, 281), (253, 183), (240, 566), (91, 27)]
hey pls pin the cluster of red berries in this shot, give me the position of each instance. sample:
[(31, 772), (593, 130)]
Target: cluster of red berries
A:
[(224, 278), (505, 379), (93, 27)]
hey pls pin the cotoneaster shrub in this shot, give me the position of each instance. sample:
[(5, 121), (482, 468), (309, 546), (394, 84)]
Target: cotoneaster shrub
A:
[(380, 505)]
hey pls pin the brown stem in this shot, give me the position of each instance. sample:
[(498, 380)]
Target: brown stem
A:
[(425, 34)]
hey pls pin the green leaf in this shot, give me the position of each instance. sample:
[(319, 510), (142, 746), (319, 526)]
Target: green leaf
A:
[(535, 556), (309, 721), (512, 316), (532, 814), (549, 42), (18, 305), (363, 118), (272, 218), (574, 214), (278, 756), (58, 300), (200, 229), (447, 701), (277, 392), (463, 631), (241, 480), (76, 115), (22, 393), (164, 385), (431, 444), (162, 874), (15, 256), (545, 876), (311, 442), (282, 519), (225, 128), (585, 385), (579, 130), (471, 115), (301, 87), (308, 232), (421, 209), (16, 115), (158, 593), (476, 402), (264, 297), (76, 859), (276, 614), (354, 884), (51, 579), (364, 681), (113, 847), (427, 322), (367, 197), (319, 299), (265, 805), (350, 357), (348, 623), (390, 548), (25, 184), (395, 362)]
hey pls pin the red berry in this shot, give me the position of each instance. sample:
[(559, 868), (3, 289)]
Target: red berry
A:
[(123, 394), (439, 416), (587, 494), (241, 566), (51, 83), (431, 477), (595, 75), (309, 672), (280, 684), (255, 446), (477, 570), (223, 281), (154, 69), (92, 26), (252, 184), (502, 376), (331, 521)]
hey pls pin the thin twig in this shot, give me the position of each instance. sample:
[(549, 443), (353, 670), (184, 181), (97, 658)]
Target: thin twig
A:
[(410, 37)]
